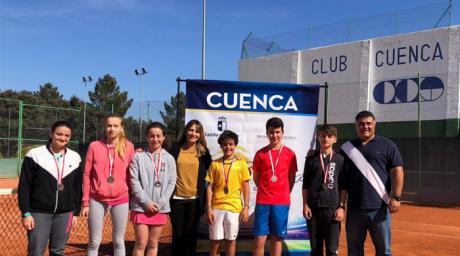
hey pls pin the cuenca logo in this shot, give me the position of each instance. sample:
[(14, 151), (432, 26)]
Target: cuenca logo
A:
[(407, 91), (250, 101)]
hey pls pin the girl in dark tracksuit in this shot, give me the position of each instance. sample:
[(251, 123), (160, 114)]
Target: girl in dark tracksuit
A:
[(49, 192), (188, 200)]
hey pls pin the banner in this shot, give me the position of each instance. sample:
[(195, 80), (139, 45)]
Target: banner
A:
[(244, 108), (394, 65)]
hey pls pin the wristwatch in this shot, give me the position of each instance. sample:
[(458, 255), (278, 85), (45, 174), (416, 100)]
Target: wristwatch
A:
[(397, 198), (342, 205)]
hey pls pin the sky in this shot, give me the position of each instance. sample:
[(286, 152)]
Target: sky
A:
[(61, 41)]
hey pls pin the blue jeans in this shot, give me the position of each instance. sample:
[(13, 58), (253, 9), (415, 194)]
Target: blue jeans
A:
[(377, 222)]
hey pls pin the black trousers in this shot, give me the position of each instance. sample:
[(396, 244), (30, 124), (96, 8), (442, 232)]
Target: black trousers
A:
[(323, 230), (185, 216)]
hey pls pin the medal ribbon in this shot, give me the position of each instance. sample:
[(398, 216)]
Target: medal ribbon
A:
[(325, 171), (111, 158), (277, 158), (59, 174), (228, 173), (156, 168)]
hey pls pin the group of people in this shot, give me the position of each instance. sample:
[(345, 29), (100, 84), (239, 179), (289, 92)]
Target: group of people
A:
[(183, 182)]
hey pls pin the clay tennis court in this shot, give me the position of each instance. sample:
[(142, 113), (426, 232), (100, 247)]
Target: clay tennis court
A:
[(417, 230)]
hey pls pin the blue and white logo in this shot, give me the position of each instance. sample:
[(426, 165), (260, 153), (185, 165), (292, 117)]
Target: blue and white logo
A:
[(406, 90), (222, 124)]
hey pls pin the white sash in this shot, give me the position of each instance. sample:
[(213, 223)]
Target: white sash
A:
[(367, 170)]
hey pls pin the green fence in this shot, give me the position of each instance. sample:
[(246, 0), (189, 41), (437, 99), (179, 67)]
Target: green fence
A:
[(24, 126)]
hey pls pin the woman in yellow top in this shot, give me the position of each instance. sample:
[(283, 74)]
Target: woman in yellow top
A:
[(189, 198)]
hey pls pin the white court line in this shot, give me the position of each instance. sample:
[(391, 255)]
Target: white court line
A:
[(427, 234), (6, 191)]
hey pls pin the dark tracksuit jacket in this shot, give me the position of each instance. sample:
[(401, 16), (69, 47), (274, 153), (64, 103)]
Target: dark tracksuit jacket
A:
[(323, 200), (37, 190)]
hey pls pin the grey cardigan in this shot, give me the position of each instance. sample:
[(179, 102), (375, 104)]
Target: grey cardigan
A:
[(143, 180)]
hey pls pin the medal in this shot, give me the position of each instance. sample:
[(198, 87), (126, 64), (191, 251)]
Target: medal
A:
[(228, 174), (111, 179), (60, 186), (274, 178), (156, 167), (325, 170)]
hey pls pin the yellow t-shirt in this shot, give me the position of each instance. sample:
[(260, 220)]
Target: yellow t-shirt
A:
[(239, 173), (187, 173)]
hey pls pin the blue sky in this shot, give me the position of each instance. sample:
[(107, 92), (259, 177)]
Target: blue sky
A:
[(60, 41)]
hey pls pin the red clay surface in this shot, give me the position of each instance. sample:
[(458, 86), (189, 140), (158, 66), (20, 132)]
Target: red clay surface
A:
[(417, 230)]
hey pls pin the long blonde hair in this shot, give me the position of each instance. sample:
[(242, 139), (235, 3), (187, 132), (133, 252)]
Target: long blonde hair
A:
[(201, 145), (120, 148)]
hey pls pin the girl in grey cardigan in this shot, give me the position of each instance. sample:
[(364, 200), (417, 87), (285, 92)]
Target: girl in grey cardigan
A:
[(153, 179)]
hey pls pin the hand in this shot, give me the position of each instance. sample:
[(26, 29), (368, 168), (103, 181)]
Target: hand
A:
[(74, 221), (307, 212), (28, 223), (85, 212), (211, 216), (244, 215), (151, 208), (339, 214), (394, 206)]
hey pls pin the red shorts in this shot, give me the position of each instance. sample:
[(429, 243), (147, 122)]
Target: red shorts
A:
[(148, 219)]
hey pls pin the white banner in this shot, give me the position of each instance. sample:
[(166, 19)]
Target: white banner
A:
[(244, 108)]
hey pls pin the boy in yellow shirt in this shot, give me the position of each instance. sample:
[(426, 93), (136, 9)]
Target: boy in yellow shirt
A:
[(227, 178)]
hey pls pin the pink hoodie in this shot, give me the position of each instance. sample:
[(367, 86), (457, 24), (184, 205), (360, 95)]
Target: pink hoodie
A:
[(95, 184)]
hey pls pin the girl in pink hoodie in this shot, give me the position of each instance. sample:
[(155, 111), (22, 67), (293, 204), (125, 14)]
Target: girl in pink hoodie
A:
[(105, 185)]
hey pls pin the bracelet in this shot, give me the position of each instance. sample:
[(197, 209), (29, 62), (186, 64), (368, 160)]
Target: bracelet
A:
[(26, 214)]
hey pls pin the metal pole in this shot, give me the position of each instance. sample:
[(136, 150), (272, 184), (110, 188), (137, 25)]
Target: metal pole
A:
[(140, 115), (9, 133), (84, 122), (84, 117), (148, 111), (177, 107), (419, 135), (21, 110), (326, 99), (203, 46)]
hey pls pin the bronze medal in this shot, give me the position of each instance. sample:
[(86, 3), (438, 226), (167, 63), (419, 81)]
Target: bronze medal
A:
[(157, 184), (226, 190), (110, 179), (60, 186)]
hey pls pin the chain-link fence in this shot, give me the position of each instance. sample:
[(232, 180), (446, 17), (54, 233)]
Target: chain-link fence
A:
[(385, 24), (24, 126), (14, 238)]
